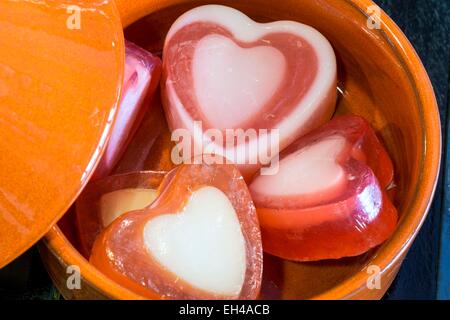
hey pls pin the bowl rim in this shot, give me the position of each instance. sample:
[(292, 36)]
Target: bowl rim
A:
[(389, 254)]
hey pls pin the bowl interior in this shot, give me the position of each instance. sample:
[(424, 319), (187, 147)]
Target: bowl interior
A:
[(374, 81)]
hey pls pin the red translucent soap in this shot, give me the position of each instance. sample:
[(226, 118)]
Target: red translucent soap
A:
[(151, 146), (141, 78), (228, 72), (327, 200), (104, 200), (199, 239)]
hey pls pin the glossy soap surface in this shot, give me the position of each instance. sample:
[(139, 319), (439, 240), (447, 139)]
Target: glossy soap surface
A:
[(202, 225), (328, 199), (59, 86), (89, 207), (141, 78), (229, 72)]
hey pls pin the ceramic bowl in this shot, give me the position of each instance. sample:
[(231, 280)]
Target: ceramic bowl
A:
[(380, 77)]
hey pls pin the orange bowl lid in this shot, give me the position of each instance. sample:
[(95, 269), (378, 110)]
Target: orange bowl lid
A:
[(61, 69)]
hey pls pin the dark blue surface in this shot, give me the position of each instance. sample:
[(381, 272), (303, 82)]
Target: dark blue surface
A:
[(444, 259), (427, 25), (425, 273)]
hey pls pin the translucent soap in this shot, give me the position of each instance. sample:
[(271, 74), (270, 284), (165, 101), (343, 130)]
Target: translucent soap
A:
[(328, 199), (151, 146), (141, 78), (200, 239), (104, 200), (231, 73)]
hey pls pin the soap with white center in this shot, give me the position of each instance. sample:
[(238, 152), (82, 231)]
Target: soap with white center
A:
[(209, 222), (199, 239), (141, 77), (328, 199), (104, 200), (230, 72)]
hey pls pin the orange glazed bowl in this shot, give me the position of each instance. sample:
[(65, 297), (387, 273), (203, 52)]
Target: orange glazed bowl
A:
[(380, 77)]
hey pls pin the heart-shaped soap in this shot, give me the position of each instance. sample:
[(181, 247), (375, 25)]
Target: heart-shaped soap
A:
[(229, 72), (104, 200), (199, 239), (328, 199), (151, 146), (141, 77)]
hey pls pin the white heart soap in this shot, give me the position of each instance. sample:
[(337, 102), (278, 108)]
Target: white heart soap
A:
[(310, 170), (238, 80), (203, 244)]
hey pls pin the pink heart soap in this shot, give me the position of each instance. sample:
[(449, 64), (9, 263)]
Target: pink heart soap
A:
[(328, 199), (141, 77), (230, 72)]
